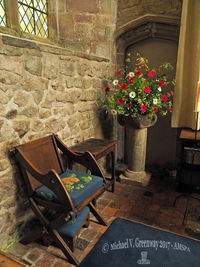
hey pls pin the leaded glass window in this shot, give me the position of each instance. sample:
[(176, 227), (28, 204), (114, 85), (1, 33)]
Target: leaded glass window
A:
[(2, 13), (33, 17)]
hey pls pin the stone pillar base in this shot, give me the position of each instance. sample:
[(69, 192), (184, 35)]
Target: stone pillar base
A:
[(141, 178)]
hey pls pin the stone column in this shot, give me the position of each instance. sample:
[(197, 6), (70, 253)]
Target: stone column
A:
[(136, 139)]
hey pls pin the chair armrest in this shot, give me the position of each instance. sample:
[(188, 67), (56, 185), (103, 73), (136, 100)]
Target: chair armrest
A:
[(86, 159), (51, 179)]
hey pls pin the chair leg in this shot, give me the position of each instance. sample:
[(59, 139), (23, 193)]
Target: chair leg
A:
[(54, 234), (87, 222), (97, 215), (71, 242), (94, 202), (64, 247)]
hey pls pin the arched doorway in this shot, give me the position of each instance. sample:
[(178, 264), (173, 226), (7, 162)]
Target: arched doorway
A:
[(155, 38)]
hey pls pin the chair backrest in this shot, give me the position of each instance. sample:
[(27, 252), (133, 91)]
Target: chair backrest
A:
[(43, 154)]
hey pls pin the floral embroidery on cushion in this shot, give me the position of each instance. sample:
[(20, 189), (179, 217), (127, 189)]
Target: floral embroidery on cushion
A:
[(72, 182)]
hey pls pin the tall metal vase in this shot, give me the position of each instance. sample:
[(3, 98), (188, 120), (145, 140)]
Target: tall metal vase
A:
[(136, 139)]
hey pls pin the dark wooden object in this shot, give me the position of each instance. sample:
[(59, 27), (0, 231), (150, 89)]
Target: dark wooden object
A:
[(190, 142), (41, 164), (189, 135), (99, 148)]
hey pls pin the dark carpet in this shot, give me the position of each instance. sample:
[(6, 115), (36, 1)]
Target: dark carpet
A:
[(127, 243)]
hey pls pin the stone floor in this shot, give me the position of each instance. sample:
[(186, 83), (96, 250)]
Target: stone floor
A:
[(152, 205)]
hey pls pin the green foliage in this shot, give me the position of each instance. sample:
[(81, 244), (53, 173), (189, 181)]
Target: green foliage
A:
[(139, 91)]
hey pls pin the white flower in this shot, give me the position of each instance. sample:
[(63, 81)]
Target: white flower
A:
[(131, 74), (113, 112), (159, 89), (132, 94), (155, 101), (115, 82)]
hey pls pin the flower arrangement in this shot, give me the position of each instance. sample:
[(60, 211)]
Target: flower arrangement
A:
[(139, 91)]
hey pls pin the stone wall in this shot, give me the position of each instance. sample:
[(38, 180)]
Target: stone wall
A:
[(129, 10), (86, 25), (46, 88)]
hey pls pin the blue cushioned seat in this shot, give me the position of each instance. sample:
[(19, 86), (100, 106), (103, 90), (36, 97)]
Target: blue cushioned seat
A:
[(69, 229), (79, 185)]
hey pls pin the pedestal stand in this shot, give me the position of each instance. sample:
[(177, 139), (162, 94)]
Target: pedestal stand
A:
[(136, 138)]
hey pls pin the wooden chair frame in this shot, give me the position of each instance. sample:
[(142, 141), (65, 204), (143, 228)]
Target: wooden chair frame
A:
[(32, 154)]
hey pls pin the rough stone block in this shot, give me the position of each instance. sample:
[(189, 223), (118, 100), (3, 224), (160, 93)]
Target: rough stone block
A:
[(69, 82), (48, 100), (18, 42), (44, 113), (84, 32), (12, 113), (38, 96), (83, 18), (50, 67), (67, 68), (86, 83), (21, 126), (21, 99), (88, 95), (31, 83), (3, 97), (37, 125), (34, 66), (30, 111), (83, 6), (4, 164), (66, 32), (54, 125)]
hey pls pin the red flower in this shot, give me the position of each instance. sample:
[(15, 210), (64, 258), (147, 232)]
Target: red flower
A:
[(130, 80), (160, 83), (107, 89), (140, 64), (154, 72), (138, 72), (150, 74), (171, 93), (117, 73), (130, 105), (170, 108), (143, 108), (123, 86), (164, 98), (158, 70), (155, 109), (120, 100), (147, 89)]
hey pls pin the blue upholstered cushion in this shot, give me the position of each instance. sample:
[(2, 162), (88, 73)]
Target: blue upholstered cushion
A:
[(79, 185), (69, 229)]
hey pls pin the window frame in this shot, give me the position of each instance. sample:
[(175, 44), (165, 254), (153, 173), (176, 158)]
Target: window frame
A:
[(13, 28), (34, 9), (4, 14)]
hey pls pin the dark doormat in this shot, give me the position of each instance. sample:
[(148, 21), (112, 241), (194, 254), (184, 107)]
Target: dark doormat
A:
[(128, 243)]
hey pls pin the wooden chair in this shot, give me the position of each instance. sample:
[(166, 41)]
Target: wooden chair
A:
[(67, 195)]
